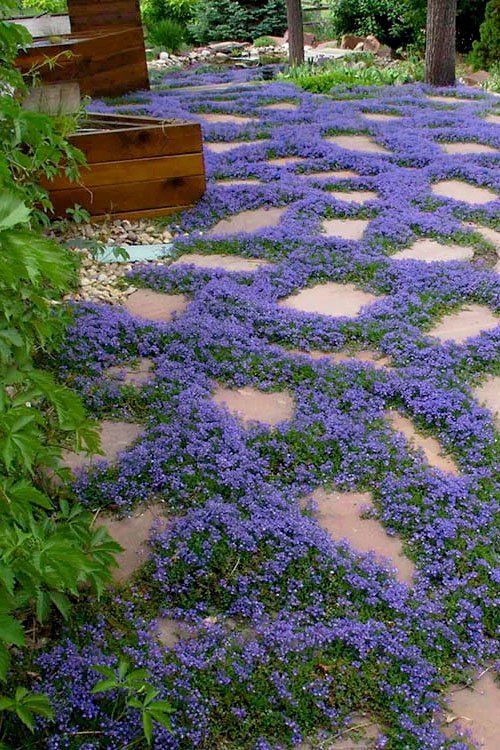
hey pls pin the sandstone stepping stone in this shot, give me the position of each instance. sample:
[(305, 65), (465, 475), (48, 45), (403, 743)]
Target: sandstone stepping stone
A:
[(249, 221), (252, 405), (490, 235), (431, 448), (145, 303), (230, 183), (170, 631), (469, 321), (281, 105), (115, 437), (488, 394), (338, 174), (330, 298), (372, 358), (227, 262), (467, 147), (493, 119), (132, 375), (430, 251), (222, 117), (132, 534), (220, 147), (448, 99), (380, 116), (284, 161), (346, 229), (354, 196), (357, 143), (339, 513), (477, 709), (463, 191)]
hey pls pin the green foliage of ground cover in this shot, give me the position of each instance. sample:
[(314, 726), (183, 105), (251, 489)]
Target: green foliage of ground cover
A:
[(365, 72)]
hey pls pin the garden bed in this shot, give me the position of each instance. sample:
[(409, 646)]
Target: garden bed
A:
[(104, 63), (137, 167)]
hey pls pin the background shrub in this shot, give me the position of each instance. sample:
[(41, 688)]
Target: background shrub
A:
[(242, 20), (402, 22), (167, 34), (486, 51)]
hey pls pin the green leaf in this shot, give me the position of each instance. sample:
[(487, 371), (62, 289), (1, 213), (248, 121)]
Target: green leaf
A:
[(4, 662), (147, 727), (103, 685), (11, 631), (12, 211)]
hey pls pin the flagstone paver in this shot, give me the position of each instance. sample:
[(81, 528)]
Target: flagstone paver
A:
[(281, 106), (488, 394), (463, 191), (338, 174), (330, 298), (136, 375), (493, 119), (365, 356), (345, 229), (430, 251), (220, 147), (222, 117), (489, 234), (170, 631), (251, 405), (467, 147), (340, 513), (132, 534), (467, 322), (354, 196), (227, 262), (145, 303), (431, 448), (477, 710), (358, 143), (115, 437), (447, 99), (285, 161), (380, 116), (249, 221), (231, 183)]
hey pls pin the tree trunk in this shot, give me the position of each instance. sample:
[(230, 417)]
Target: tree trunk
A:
[(295, 31), (440, 42)]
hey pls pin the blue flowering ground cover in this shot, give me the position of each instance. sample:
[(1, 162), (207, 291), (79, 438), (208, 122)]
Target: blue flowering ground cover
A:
[(290, 632)]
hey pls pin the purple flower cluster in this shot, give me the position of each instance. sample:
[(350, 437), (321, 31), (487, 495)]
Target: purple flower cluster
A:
[(308, 629)]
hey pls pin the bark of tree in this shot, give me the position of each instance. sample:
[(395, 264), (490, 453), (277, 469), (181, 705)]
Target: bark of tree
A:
[(440, 42), (295, 31)]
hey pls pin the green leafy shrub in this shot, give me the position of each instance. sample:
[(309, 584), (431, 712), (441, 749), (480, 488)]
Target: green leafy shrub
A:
[(175, 10), (320, 80), (386, 19), (216, 20), (49, 549), (167, 34), (486, 51), (263, 41), (43, 6)]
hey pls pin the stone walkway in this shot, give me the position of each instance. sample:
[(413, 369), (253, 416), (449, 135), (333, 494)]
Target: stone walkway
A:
[(333, 281)]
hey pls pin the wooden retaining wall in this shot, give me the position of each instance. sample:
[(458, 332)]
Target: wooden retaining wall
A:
[(138, 167), (104, 63)]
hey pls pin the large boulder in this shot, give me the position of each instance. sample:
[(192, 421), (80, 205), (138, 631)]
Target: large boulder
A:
[(309, 38), (350, 41)]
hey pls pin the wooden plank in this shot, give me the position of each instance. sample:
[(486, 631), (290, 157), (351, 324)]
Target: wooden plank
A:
[(92, 14), (147, 213), (139, 143), (132, 170), (131, 196)]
